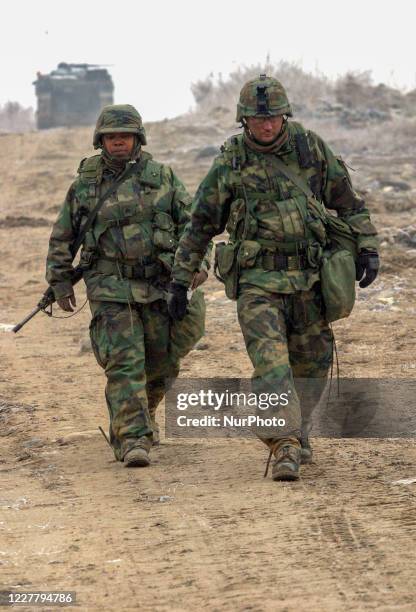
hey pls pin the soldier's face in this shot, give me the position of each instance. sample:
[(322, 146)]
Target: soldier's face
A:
[(119, 144), (265, 129)]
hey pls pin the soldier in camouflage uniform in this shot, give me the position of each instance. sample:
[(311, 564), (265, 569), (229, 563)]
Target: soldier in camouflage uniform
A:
[(127, 257), (271, 263)]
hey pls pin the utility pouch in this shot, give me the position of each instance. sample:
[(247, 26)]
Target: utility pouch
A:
[(247, 253), (317, 228), (163, 232), (166, 259), (88, 252), (226, 267), (337, 276), (236, 218)]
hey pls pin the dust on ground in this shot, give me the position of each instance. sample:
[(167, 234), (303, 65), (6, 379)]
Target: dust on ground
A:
[(200, 528)]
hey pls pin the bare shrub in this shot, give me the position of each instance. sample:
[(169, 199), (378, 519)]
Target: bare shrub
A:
[(356, 90), (16, 118), (304, 89), (351, 100)]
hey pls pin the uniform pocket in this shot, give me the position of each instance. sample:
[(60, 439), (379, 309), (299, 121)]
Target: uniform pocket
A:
[(164, 232), (98, 343)]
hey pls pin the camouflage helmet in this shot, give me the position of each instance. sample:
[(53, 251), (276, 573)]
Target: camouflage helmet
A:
[(118, 118), (263, 96)]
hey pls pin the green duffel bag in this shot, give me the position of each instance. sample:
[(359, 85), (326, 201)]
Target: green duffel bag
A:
[(337, 274), (226, 267), (186, 333)]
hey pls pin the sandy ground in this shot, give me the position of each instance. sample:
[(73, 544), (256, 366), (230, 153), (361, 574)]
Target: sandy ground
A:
[(200, 528)]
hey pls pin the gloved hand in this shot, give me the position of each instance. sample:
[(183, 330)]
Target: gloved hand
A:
[(67, 303), (177, 301), (366, 267), (198, 279)]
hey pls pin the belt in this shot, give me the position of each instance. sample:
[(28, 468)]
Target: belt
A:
[(277, 261), (130, 271)]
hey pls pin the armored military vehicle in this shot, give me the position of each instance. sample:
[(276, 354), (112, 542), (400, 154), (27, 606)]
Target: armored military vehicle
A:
[(73, 94)]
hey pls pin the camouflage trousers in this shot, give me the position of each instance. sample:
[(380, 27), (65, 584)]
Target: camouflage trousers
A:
[(287, 338), (131, 342)]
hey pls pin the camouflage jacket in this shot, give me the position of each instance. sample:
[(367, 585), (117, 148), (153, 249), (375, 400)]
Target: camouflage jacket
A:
[(128, 253), (279, 217)]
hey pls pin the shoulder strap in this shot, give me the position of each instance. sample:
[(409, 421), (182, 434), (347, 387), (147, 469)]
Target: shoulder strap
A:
[(134, 167), (314, 206), (89, 166), (292, 176), (151, 173)]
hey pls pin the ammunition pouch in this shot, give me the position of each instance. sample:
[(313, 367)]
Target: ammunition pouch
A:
[(164, 232), (226, 267)]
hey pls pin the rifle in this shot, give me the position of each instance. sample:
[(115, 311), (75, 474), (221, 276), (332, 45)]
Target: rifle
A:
[(48, 297)]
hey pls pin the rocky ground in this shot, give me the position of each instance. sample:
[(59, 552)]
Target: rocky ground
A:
[(200, 528)]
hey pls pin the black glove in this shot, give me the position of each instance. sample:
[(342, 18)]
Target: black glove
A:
[(177, 301), (366, 267)]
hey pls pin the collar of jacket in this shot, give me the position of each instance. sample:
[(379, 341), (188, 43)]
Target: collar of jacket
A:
[(115, 165), (280, 145)]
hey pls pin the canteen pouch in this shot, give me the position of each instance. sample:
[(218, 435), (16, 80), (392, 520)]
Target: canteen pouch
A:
[(226, 267), (337, 274)]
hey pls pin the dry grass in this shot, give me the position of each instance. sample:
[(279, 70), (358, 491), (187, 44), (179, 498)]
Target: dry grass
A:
[(15, 118)]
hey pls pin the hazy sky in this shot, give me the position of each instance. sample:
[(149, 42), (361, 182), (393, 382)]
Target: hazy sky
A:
[(157, 48)]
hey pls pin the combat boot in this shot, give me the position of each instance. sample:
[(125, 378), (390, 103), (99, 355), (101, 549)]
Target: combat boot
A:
[(306, 452), (137, 454), (287, 462)]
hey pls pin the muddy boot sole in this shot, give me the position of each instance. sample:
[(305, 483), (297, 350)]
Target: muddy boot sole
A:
[(285, 473), (136, 457)]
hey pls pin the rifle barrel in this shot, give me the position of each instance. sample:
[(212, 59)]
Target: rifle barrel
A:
[(26, 319)]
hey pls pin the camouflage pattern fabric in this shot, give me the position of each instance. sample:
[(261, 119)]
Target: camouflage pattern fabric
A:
[(140, 223), (128, 255), (278, 210), (286, 337), (132, 344), (119, 118), (280, 310), (263, 96)]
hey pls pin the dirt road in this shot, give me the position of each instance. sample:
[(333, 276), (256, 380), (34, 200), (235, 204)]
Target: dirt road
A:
[(200, 528)]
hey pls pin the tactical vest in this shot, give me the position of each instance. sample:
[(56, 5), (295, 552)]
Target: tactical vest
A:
[(134, 234), (280, 228)]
